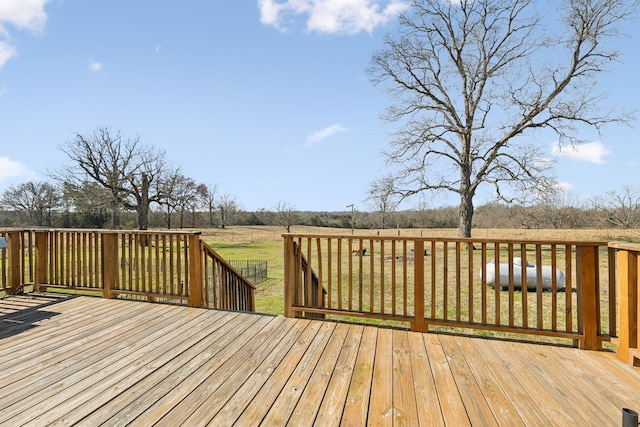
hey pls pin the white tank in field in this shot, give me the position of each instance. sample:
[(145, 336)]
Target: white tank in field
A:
[(531, 271)]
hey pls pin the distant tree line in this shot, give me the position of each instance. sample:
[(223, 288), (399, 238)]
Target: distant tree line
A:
[(44, 204), (198, 206)]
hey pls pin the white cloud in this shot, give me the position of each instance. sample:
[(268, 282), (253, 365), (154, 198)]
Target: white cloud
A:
[(331, 16), (26, 15), (323, 134), (95, 66), (564, 186), (7, 51), (12, 169), (591, 152)]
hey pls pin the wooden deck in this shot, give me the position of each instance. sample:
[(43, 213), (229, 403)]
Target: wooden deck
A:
[(89, 361)]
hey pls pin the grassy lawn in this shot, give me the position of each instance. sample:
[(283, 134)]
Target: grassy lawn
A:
[(269, 293)]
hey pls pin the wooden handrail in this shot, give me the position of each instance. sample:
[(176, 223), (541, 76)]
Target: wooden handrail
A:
[(224, 287), (301, 283), (153, 265), (315, 292), (15, 268), (509, 286)]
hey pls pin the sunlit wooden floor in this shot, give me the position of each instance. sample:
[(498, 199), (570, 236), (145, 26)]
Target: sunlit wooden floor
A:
[(89, 361)]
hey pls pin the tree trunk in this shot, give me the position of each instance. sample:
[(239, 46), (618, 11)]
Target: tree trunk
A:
[(465, 215), (143, 204), (212, 220), (115, 205)]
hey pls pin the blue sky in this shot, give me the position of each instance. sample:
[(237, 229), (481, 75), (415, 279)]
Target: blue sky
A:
[(268, 99)]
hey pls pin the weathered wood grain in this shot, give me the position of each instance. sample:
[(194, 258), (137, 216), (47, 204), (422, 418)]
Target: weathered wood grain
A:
[(88, 361)]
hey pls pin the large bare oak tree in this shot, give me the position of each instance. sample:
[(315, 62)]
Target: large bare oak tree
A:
[(470, 81), (119, 163)]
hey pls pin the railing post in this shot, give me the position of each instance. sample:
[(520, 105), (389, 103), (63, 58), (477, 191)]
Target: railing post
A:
[(13, 251), (109, 263), (41, 261), (587, 271), (627, 303), (289, 276), (418, 287), (195, 271)]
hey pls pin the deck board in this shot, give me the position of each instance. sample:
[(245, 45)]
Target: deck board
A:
[(404, 396), (335, 394), (284, 404), (427, 402), (449, 398), (89, 361), (498, 402), (381, 400), (259, 404), (312, 395), (357, 402), (245, 393), (514, 388), (533, 388)]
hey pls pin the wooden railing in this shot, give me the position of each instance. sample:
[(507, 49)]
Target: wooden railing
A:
[(173, 267), (551, 288), (628, 259), (224, 286), (16, 266)]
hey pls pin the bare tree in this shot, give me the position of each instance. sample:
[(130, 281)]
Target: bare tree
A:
[(472, 79), (620, 208), (35, 200), (266, 217), (286, 215), (90, 204), (382, 198), (187, 195), (228, 206), (179, 193), (208, 195), (556, 209), (421, 210), (121, 164)]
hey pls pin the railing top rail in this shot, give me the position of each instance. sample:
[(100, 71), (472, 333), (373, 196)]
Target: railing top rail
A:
[(447, 239), (102, 230), (167, 232), (627, 246)]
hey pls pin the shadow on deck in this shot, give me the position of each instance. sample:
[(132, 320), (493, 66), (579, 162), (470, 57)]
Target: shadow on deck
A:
[(19, 314)]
